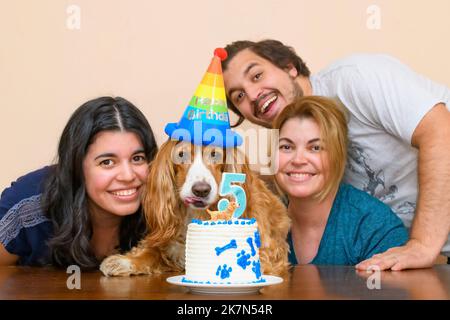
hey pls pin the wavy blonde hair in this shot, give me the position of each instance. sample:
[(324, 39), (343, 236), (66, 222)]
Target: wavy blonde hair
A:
[(330, 115)]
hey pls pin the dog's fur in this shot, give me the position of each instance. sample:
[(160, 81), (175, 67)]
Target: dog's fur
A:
[(169, 205)]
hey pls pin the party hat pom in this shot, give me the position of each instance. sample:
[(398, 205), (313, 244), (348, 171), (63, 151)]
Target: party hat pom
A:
[(221, 53)]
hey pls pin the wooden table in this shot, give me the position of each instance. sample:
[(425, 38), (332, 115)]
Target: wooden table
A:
[(302, 283)]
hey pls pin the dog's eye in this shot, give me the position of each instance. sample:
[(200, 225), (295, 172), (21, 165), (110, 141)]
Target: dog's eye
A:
[(181, 156), (215, 156)]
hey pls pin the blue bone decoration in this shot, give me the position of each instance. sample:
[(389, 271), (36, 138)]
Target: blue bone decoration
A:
[(231, 245), (250, 243)]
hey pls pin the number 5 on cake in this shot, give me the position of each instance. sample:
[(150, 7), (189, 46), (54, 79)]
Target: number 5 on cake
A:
[(227, 188)]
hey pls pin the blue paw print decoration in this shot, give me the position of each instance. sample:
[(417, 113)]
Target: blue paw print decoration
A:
[(223, 271), (256, 268), (257, 239), (243, 259)]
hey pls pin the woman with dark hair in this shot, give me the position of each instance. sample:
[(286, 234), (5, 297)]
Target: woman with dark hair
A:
[(88, 205)]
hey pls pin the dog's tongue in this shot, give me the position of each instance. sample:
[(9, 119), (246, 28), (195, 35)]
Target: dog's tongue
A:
[(198, 202)]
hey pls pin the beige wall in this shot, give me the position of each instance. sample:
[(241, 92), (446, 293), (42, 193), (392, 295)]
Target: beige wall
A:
[(154, 53)]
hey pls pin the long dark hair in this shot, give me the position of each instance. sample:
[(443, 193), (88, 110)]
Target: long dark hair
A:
[(64, 199), (274, 51)]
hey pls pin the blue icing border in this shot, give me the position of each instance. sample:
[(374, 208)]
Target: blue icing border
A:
[(242, 221), (185, 280)]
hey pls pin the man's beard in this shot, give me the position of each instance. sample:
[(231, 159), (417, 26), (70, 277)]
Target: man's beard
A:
[(296, 92)]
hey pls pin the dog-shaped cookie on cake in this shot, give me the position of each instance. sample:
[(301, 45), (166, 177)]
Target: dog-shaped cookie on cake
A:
[(226, 214)]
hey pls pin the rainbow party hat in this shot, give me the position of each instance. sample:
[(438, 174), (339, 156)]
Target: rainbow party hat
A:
[(206, 121)]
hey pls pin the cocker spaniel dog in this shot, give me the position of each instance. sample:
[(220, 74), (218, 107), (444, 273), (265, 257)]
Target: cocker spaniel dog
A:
[(183, 182)]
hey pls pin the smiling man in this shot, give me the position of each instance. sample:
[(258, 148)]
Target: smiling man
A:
[(399, 128)]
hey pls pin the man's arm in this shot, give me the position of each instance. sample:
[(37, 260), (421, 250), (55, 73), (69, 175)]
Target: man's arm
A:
[(431, 223)]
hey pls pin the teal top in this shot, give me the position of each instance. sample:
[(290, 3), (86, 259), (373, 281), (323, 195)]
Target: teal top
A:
[(359, 226)]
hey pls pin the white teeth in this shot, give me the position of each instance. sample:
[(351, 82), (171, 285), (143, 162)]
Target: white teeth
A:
[(128, 192), (300, 176), (266, 104)]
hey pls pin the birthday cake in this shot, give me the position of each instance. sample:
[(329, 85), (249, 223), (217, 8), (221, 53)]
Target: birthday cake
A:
[(223, 252)]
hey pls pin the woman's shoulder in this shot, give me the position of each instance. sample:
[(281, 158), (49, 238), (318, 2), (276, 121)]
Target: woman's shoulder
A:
[(24, 231), (23, 188), (360, 201), (358, 207), (26, 215), (20, 208)]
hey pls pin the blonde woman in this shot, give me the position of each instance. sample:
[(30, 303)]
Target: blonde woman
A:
[(332, 222)]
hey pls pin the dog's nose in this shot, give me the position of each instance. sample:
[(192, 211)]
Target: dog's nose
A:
[(201, 189)]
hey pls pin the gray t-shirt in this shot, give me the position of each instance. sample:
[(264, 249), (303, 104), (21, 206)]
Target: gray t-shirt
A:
[(386, 101)]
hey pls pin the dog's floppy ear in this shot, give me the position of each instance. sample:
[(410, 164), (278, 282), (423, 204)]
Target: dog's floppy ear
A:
[(160, 201)]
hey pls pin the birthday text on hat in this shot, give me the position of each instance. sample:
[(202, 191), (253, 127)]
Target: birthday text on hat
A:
[(197, 114)]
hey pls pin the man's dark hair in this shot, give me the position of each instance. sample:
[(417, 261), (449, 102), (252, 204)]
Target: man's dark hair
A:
[(272, 50)]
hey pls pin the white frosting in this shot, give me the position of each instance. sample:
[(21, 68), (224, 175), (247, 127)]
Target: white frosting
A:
[(220, 252)]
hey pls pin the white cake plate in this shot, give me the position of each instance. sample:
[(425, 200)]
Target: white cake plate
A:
[(205, 288)]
